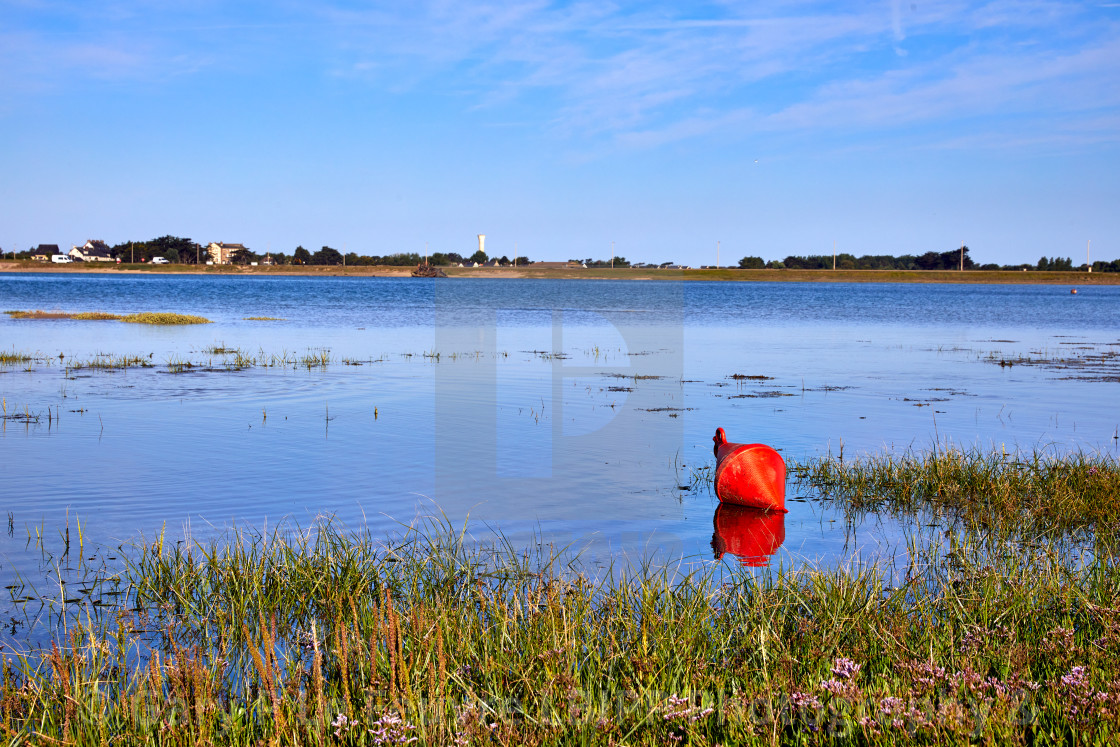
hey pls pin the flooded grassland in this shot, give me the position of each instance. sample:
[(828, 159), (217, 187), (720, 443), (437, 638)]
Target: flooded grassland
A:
[(213, 520)]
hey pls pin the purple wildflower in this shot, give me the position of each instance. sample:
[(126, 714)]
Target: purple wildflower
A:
[(845, 669)]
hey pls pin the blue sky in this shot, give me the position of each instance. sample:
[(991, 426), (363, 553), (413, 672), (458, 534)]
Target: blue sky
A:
[(556, 128)]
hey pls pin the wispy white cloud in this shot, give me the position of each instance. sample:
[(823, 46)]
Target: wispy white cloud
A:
[(617, 74), (645, 75)]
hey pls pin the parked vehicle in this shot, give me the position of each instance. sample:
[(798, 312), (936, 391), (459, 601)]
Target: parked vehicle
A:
[(160, 261), (61, 259)]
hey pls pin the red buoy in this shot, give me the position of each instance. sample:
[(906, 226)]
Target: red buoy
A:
[(750, 534), (751, 475)]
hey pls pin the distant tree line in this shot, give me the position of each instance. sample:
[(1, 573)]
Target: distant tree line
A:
[(616, 262), (329, 256), (184, 251), (950, 260)]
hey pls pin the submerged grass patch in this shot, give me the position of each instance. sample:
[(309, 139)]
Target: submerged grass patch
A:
[(331, 637)]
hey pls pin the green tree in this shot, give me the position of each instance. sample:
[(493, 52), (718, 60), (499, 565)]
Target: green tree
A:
[(301, 256), (174, 248), (243, 256), (751, 263), (326, 256), (130, 251), (479, 257), (929, 261)]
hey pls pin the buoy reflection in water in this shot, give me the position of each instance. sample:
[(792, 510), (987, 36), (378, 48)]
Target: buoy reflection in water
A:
[(750, 534)]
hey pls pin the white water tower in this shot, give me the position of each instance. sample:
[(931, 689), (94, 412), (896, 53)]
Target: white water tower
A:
[(482, 243)]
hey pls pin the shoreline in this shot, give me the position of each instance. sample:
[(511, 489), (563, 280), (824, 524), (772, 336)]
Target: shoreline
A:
[(983, 277)]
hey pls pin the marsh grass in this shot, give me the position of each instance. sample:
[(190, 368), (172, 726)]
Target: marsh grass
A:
[(1026, 492), (109, 361), (141, 318), (314, 358), (96, 316), (15, 357), (164, 318), (38, 314), (333, 637)]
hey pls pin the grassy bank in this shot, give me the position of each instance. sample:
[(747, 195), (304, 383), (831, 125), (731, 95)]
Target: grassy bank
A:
[(333, 637), (1072, 279)]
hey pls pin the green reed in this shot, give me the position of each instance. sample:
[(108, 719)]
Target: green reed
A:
[(15, 357), (314, 359), (332, 637), (109, 361)]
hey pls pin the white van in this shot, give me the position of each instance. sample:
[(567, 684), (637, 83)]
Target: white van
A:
[(160, 261), (61, 259)]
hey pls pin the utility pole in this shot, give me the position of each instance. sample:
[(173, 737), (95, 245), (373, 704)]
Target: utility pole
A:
[(132, 254), (1088, 265), (612, 255), (717, 255)]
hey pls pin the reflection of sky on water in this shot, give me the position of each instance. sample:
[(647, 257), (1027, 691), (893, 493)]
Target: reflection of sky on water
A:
[(586, 447)]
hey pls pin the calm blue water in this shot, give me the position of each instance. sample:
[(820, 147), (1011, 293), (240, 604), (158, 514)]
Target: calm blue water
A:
[(568, 410)]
